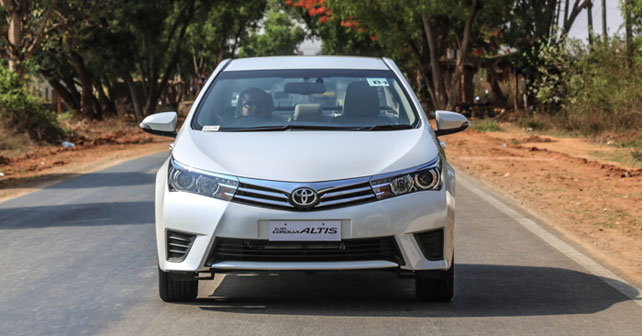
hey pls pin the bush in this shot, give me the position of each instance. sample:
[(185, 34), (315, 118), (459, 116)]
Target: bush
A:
[(591, 90), (26, 113)]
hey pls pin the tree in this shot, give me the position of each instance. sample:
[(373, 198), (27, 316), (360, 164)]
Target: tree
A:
[(422, 32), (216, 34), (280, 35), (27, 22), (86, 51), (569, 17)]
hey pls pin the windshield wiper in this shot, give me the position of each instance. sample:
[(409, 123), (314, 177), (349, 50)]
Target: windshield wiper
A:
[(283, 128), (385, 127)]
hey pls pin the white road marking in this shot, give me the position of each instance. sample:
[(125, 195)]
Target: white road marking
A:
[(589, 264)]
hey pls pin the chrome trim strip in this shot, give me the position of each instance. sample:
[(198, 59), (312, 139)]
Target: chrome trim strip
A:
[(380, 185), (345, 200), (178, 238), (342, 184), (261, 192), (345, 192), (178, 245), (263, 200), (303, 266)]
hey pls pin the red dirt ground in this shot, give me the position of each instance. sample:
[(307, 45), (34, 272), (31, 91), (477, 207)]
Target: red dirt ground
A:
[(597, 205)]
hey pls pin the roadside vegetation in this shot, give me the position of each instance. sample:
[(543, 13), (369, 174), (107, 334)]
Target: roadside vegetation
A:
[(486, 125), (590, 90)]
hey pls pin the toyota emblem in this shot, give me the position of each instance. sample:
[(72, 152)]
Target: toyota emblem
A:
[(304, 197)]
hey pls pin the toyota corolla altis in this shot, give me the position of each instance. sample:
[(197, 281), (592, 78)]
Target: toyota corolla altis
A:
[(305, 164)]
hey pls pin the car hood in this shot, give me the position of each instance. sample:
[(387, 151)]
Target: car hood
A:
[(305, 156)]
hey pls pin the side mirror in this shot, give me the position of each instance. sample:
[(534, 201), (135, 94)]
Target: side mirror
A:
[(160, 124), (450, 122)]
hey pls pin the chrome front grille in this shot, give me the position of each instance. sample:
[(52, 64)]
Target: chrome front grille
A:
[(332, 194)]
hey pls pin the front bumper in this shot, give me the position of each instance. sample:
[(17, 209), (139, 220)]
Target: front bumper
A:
[(398, 217)]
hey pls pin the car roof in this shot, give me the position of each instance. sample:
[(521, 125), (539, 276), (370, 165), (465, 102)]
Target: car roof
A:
[(306, 62)]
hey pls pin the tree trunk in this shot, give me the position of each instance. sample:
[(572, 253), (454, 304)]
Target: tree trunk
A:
[(628, 30), (87, 106), (605, 34), (15, 39), (556, 21), (461, 58), (589, 12), (138, 115), (516, 93), (156, 89), (437, 79), (105, 103), (426, 74), (67, 97)]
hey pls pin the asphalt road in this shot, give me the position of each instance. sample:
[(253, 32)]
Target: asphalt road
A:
[(79, 258)]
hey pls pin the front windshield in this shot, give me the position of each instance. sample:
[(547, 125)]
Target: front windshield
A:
[(306, 99)]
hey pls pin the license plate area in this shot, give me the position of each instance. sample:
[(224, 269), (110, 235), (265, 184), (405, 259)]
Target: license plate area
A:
[(304, 230)]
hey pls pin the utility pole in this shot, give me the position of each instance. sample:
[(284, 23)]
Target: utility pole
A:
[(590, 22), (605, 35)]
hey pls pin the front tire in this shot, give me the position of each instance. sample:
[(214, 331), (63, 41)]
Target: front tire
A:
[(172, 289), (436, 286)]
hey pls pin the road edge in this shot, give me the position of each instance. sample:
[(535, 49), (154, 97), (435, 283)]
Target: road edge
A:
[(609, 277), (110, 162)]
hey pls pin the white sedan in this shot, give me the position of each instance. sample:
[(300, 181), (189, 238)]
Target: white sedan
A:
[(344, 173)]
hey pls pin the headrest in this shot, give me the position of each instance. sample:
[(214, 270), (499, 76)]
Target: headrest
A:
[(361, 100), (306, 110)]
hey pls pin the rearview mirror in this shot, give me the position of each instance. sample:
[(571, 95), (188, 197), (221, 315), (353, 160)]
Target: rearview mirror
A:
[(450, 122), (160, 124)]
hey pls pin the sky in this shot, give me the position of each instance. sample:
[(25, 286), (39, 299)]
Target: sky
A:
[(579, 30)]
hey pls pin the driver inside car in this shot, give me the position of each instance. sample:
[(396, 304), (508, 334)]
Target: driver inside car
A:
[(254, 103)]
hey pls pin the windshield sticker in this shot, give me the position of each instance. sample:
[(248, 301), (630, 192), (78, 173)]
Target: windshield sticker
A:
[(211, 128), (377, 82)]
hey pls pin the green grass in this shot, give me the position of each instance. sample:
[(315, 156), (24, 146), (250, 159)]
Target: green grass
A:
[(486, 125), (630, 158)]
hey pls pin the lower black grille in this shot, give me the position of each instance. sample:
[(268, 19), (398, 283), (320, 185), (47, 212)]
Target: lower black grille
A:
[(178, 244), (431, 244), (227, 249)]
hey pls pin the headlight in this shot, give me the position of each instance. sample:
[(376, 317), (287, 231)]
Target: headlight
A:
[(183, 178), (425, 177)]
